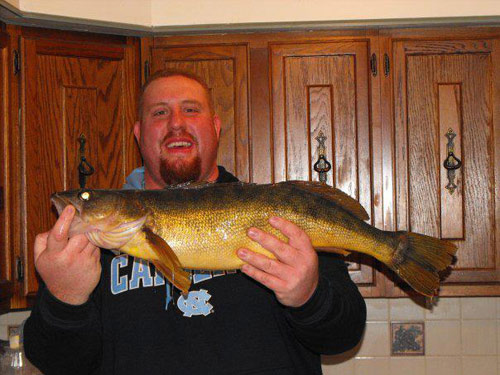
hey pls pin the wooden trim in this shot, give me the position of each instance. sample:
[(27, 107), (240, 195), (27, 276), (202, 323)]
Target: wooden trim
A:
[(48, 47), (11, 15)]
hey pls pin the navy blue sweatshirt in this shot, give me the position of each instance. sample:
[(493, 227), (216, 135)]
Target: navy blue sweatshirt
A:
[(136, 323)]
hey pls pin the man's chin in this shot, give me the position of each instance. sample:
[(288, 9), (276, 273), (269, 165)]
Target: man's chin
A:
[(180, 171)]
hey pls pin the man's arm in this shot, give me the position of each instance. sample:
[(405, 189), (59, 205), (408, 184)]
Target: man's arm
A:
[(63, 333), (60, 338), (333, 319), (325, 308)]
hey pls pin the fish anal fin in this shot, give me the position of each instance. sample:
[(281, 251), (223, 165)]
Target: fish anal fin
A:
[(167, 262), (336, 250), (334, 195)]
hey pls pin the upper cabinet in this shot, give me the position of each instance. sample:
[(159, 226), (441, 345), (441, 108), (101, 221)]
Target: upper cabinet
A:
[(300, 86), (4, 63), (410, 124), (409, 118), (445, 168), (6, 287), (77, 109), (322, 90)]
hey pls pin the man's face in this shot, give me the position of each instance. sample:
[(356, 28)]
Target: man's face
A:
[(178, 134)]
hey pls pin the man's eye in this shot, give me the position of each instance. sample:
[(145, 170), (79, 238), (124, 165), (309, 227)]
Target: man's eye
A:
[(160, 112), (192, 110)]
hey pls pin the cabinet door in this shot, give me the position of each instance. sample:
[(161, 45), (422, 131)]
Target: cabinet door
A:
[(4, 259), (73, 89), (441, 87), (224, 69), (324, 87)]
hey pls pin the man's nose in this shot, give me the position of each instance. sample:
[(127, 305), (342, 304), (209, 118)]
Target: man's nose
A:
[(176, 120)]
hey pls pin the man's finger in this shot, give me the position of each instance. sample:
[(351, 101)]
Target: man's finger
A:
[(280, 249), (40, 244), (77, 244), (270, 281), (271, 266), (89, 249), (296, 236), (58, 235)]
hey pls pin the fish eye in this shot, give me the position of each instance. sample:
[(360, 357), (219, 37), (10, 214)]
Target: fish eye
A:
[(84, 196)]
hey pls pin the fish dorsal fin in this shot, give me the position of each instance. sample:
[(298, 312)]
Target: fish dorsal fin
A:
[(335, 195), (167, 262)]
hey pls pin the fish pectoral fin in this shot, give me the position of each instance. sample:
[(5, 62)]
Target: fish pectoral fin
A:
[(167, 262)]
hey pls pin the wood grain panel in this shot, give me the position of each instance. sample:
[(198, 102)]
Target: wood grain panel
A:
[(450, 118), (67, 95), (4, 203), (419, 77), (224, 68), (323, 86), (260, 127)]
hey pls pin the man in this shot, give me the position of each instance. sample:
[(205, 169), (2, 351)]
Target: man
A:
[(106, 314)]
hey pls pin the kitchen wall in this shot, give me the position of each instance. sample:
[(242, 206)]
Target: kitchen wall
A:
[(461, 336), (194, 12), (182, 12)]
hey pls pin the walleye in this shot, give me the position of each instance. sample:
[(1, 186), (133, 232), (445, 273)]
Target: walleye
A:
[(200, 226)]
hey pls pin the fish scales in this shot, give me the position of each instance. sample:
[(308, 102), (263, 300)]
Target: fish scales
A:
[(210, 241), (202, 226)]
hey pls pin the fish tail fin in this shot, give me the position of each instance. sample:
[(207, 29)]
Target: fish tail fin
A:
[(417, 259)]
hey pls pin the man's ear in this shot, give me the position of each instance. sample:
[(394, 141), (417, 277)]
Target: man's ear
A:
[(137, 132), (217, 123)]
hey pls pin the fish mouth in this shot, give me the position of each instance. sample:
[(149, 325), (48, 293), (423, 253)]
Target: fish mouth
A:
[(60, 202)]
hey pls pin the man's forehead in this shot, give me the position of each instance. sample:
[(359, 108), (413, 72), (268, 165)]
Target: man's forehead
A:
[(176, 85)]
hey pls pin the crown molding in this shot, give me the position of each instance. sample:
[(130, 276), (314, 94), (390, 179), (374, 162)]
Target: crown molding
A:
[(12, 15)]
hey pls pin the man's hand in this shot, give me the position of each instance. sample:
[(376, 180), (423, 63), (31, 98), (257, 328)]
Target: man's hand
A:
[(70, 267), (293, 275)]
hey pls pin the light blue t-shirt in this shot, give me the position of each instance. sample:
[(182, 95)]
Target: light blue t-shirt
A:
[(135, 180)]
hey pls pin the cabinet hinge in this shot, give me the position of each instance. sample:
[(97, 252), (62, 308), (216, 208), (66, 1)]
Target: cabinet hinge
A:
[(387, 66), (17, 62), (19, 269), (147, 70), (373, 64)]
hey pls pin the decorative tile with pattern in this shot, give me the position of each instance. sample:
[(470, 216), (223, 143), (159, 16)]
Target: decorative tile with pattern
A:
[(407, 338)]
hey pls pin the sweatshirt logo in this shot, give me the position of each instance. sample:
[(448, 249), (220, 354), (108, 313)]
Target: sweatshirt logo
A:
[(194, 304)]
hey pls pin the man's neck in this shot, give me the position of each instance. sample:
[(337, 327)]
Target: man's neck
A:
[(151, 184)]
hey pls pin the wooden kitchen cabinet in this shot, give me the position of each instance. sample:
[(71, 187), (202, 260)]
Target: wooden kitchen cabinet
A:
[(298, 85), (325, 87), (72, 85), (6, 286), (385, 99), (447, 82)]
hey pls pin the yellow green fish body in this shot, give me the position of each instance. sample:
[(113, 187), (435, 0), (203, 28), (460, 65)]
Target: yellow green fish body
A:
[(200, 226)]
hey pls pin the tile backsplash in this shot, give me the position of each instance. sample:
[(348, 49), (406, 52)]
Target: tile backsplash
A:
[(14, 318), (461, 337)]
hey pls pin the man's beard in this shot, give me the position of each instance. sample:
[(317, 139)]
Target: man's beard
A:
[(179, 171)]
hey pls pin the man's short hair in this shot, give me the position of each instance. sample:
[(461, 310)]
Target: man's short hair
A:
[(165, 73)]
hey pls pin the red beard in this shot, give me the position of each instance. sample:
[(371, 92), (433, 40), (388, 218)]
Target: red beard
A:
[(180, 171)]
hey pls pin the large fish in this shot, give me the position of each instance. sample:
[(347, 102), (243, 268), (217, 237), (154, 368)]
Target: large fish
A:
[(200, 226)]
